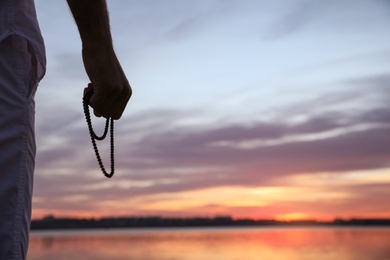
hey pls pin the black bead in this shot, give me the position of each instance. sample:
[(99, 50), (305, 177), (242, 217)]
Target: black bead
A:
[(94, 137)]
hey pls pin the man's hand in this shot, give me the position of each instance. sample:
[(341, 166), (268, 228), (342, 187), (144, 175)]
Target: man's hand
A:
[(112, 91), (111, 88)]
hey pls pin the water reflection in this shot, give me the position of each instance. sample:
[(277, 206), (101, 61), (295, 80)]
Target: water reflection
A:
[(215, 244)]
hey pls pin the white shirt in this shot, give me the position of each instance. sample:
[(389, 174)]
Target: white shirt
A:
[(19, 17)]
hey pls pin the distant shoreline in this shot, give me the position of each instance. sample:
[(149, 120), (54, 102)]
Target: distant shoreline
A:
[(50, 222)]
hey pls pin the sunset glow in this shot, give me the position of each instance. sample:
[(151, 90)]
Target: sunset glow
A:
[(249, 109)]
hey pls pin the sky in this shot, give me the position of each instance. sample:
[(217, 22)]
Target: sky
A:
[(244, 108)]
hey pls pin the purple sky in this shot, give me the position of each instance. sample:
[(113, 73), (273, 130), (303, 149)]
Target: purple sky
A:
[(247, 108)]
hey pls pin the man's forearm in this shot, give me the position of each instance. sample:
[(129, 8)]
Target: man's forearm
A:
[(92, 20), (111, 88)]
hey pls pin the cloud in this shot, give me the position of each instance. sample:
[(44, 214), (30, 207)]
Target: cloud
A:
[(295, 17), (327, 16), (352, 150), (153, 145), (173, 161), (315, 124)]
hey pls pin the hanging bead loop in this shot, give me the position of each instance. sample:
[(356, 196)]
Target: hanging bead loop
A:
[(94, 137)]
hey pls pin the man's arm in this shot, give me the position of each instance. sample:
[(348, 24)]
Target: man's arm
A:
[(112, 91)]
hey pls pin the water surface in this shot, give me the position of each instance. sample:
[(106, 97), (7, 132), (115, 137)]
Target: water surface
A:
[(213, 244)]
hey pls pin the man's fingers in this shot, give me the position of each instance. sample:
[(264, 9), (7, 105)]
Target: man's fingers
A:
[(96, 113), (97, 102), (108, 104), (86, 90)]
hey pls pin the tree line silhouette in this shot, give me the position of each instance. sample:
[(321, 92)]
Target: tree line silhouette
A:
[(51, 222)]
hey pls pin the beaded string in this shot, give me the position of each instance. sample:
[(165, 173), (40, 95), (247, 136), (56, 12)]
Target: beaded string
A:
[(94, 137)]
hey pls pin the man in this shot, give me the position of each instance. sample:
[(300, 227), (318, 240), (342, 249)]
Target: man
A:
[(22, 66)]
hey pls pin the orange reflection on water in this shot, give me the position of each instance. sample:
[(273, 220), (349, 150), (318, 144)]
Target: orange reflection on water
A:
[(215, 244)]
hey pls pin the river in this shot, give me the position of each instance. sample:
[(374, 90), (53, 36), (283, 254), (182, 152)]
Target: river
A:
[(305, 243)]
